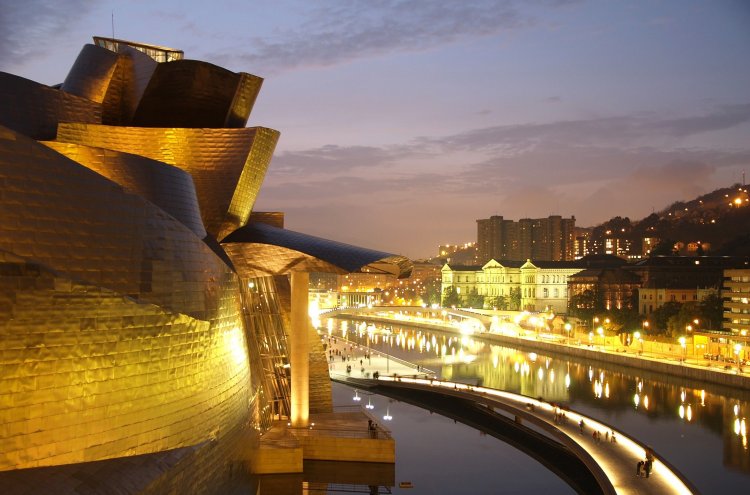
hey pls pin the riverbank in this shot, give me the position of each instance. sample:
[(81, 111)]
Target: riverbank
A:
[(656, 364)]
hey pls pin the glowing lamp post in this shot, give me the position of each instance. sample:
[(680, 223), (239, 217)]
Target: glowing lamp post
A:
[(737, 351), (637, 336), (684, 348), (568, 327), (600, 331)]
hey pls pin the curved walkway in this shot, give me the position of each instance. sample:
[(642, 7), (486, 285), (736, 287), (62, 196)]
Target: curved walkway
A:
[(616, 462)]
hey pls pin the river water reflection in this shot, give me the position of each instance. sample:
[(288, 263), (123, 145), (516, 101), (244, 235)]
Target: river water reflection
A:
[(701, 429)]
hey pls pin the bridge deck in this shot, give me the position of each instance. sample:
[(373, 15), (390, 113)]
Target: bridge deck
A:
[(616, 461)]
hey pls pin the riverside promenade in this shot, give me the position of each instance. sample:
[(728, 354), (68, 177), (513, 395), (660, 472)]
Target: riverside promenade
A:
[(665, 364), (613, 464)]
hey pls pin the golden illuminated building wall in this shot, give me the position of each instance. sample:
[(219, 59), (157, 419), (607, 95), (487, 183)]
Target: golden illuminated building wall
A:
[(116, 79), (227, 165), (34, 109), (124, 330), (166, 186), (116, 339), (139, 353)]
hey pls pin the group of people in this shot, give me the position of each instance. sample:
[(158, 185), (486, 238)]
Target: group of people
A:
[(609, 436), (559, 416), (643, 468), (346, 356)]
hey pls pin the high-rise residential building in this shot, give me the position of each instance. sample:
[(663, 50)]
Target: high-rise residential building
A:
[(546, 239), (736, 294)]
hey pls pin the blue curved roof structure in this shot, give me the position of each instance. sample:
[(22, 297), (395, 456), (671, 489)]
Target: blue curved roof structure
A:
[(283, 251)]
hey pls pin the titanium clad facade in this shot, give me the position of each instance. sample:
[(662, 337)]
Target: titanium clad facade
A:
[(92, 73), (190, 93), (168, 187), (227, 165), (138, 354), (122, 329), (34, 109), (131, 323), (71, 219)]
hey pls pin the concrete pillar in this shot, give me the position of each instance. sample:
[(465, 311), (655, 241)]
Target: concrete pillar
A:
[(299, 350)]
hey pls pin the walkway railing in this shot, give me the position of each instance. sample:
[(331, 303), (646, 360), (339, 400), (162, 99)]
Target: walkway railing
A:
[(663, 469)]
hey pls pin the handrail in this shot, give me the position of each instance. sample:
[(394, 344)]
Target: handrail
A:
[(675, 479)]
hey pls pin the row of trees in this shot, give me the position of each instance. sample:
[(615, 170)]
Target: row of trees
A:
[(672, 318), (512, 302)]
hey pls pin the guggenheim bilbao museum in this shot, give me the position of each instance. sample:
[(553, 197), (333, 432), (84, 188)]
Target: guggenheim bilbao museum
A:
[(152, 326)]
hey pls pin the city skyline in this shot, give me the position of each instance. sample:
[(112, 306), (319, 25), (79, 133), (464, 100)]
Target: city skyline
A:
[(395, 114)]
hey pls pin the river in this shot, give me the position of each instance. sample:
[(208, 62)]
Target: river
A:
[(699, 428)]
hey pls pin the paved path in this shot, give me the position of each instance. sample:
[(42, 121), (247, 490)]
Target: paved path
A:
[(362, 366), (616, 460)]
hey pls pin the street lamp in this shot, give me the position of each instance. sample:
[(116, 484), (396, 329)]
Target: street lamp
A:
[(737, 349), (568, 327), (684, 348), (600, 331), (637, 336)]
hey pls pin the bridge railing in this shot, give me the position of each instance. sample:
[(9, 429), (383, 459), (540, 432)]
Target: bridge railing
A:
[(676, 480)]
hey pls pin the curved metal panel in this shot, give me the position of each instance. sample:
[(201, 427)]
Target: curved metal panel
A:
[(91, 73), (261, 246), (134, 71), (168, 187), (34, 109), (191, 93), (227, 165), (89, 374), (57, 212), (262, 260)]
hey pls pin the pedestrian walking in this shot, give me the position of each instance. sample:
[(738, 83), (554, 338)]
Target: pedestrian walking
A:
[(647, 466), (639, 468), (612, 438), (581, 425)]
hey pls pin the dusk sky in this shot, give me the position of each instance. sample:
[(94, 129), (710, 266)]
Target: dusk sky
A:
[(402, 122)]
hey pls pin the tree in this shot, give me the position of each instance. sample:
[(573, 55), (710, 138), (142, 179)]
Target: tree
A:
[(585, 304), (677, 324), (451, 297), (497, 302), (661, 316), (664, 248), (474, 300), (431, 293), (711, 310), (514, 299)]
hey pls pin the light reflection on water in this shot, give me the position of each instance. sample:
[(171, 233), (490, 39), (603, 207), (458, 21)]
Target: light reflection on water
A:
[(701, 431), (437, 455)]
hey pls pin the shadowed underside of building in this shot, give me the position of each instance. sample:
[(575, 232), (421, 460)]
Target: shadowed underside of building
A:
[(137, 354)]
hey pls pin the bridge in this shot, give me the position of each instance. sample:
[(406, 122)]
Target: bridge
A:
[(588, 465)]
